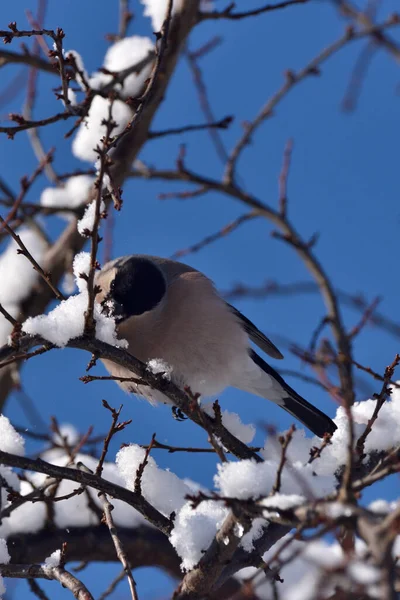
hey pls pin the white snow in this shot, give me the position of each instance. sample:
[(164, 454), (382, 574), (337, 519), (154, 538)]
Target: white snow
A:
[(194, 530), (161, 488), (17, 276), (256, 530), (68, 284), (80, 66), (157, 10), (74, 193), (73, 512), (92, 130), (67, 433), (87, 221), (4, 559), (71, 97), (123, 54), (81, 266), (157, 365), (10, 440), (247, 479), (232, 422), (67, 320), (304, 589), (383, 506), (4, 555), (282, 501), (53, 560), (363, 573)]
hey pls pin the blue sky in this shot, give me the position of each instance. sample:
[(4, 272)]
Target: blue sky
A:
[(343, 184)]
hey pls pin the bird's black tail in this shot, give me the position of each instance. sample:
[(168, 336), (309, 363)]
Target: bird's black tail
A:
[(314, 419)]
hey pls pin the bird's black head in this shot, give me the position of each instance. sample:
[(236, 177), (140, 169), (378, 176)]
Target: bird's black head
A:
[(138, 286)]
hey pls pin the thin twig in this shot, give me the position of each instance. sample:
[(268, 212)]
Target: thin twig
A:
[(142, 102), (125, 17), (292, 78), (380, 400), (222, 124), (142, 466), (365, 318), (112, 585), (192, 58), (24, 124), (349, 102), (228, 13), (115, 427), (226, 230), (37, 590), (67, 580), (7, 316), (90, 378), (284, 442), (283, 177), (107, 508)]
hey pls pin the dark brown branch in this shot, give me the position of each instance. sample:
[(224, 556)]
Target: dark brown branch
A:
[(119, 549), (24, 125), (142, 466), (178, 397), (67, 580), (222, 124), (283, 177), (7, 316), (203, 578), (37, 590), (30, 60), (171, 449), (14, 32), (115, 427), (90, 378), (284, 442), (145, 546), (88, 479), (70, 240)]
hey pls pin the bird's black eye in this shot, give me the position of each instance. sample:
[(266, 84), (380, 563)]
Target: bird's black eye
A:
[(138, 286)]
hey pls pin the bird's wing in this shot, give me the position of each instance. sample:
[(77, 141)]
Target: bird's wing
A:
[(256, 335)]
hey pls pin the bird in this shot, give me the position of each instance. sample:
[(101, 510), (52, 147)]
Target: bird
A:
[(171, 312)]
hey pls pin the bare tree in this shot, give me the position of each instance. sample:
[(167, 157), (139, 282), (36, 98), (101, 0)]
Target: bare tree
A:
[(275, 509)]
